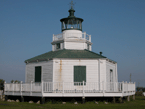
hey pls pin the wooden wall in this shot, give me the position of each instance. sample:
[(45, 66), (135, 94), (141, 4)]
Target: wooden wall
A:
[(113, 66), (64, 70), (46, 74)]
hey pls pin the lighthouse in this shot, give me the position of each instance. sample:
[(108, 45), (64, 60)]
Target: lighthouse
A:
[(72, 59), (71, 69)]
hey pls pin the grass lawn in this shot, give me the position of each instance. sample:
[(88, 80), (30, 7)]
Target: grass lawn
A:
[(139, 103)]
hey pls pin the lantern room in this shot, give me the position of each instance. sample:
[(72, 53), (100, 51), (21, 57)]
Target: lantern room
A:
[(71, 22)]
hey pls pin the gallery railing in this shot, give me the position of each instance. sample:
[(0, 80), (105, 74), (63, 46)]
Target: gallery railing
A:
[(70, 87), (72, 36)]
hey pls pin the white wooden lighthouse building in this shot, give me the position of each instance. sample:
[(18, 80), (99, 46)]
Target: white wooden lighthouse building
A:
[(71, 68), (71, 59)]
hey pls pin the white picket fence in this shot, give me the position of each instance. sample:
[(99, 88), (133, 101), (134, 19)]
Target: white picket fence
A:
[(71, 87)]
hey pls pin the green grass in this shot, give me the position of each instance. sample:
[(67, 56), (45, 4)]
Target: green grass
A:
[(139, 103)]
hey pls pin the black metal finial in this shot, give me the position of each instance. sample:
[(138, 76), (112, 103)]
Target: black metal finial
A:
[(71, 5), (71, 10)]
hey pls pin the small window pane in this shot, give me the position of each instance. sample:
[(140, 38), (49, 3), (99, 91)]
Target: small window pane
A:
[(58, 46)]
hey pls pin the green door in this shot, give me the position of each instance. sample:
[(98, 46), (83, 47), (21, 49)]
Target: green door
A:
[(38, 74), (79, 73)]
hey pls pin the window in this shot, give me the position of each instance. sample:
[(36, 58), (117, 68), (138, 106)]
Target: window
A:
[(79, 74), (38, 74), (58, 46)]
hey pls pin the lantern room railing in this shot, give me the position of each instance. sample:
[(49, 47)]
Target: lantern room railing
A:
[(63, 36)]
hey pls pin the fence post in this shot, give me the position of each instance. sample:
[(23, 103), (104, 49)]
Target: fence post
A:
[(83, 88), (13, 88), (127, 88), (90, 38), (103, 87), (63, 87), (122, 88), (84, 35), (31, 88), (21, 88), (42, 88)]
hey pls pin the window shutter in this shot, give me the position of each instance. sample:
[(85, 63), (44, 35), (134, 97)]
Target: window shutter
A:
[(38, 74), (79, 73)]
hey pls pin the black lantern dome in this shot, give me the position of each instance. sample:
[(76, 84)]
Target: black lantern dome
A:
[(71, 22)]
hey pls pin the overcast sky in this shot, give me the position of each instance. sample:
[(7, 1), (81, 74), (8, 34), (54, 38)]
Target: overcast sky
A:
[(117, 28)]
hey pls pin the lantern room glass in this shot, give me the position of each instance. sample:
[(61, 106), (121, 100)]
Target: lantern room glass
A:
[(71, 24)]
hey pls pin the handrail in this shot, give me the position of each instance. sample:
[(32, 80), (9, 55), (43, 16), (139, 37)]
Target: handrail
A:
[(62, 36)]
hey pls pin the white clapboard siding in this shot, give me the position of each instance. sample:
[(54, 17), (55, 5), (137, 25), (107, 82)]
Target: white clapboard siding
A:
[(102, 72), (64, 70), (61, 45), (74, 45), (46, 72), (29, 73), (109, 66)]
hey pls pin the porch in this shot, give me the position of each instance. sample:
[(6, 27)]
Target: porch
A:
[(70, 89)]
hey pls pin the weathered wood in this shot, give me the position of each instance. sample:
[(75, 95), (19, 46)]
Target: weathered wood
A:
[(46, 72)]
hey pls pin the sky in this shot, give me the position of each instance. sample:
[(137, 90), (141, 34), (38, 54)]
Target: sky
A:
[(117, 28)]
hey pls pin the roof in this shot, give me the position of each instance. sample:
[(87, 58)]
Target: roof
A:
[(74, 54)]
